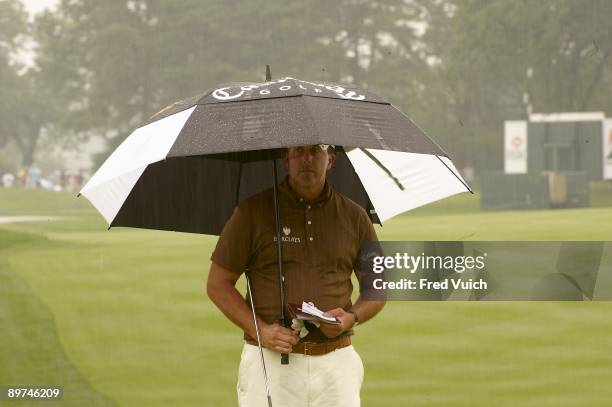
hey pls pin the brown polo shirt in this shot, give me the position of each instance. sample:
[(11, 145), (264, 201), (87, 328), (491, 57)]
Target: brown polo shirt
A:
[(321, 242)]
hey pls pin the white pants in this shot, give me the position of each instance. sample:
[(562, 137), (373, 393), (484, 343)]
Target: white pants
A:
[(333, 379)]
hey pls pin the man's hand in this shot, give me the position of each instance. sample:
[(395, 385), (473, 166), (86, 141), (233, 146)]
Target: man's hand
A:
[(221, 288), (347, 320), (278, 338)]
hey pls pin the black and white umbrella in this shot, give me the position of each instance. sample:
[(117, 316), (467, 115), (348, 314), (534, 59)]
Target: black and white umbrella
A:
[(196, 160), (193, 162)]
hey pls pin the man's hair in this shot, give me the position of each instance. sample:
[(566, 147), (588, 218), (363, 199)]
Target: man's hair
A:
[(331, 149)]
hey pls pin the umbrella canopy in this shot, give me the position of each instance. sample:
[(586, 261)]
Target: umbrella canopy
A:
[(193, 162)]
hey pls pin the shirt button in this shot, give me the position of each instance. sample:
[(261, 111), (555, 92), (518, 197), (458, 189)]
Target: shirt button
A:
[(309, 222), (310, 238)]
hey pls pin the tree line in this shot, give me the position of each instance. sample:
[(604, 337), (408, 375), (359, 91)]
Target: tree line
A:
[(458, 68)]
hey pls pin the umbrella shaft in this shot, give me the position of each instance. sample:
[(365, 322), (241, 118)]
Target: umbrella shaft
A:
[(279, 255)]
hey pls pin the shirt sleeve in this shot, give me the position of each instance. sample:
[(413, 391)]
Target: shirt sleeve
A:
[(366, 228), (233, 249), (367, 234), (369, 248)]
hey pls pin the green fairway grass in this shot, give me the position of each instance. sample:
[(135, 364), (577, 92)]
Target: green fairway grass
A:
[(121, 318), (31, 350)]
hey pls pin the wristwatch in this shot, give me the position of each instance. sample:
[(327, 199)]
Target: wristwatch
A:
[(355, 317)]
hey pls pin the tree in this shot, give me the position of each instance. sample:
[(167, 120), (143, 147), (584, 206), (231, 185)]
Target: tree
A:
[(12, 25), (23, 106), (500, 60)]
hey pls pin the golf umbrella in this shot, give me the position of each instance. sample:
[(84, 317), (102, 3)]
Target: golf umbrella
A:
[(194, 161)]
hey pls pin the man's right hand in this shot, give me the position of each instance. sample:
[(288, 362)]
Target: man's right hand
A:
[(278, 338)]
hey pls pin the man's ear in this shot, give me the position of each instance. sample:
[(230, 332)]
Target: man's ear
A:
[(332, 161), (286, 159)]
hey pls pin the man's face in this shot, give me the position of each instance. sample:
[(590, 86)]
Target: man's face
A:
[(307, 165)]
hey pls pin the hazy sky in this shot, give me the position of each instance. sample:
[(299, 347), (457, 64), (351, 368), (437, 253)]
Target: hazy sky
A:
[(35, 6)]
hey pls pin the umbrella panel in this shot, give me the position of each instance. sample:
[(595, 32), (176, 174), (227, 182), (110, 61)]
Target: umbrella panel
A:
[(198, 194), (299, 120)]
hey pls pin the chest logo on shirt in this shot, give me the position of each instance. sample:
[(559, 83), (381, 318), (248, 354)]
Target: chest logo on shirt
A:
[(287, 238)]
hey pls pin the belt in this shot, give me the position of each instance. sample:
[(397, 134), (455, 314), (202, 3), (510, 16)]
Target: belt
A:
[(317, 348), (321, 348)]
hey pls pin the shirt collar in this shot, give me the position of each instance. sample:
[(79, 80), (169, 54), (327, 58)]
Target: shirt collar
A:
[(286, 190)]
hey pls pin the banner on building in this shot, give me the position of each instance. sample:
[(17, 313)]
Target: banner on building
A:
[(607, 149), (515, 147)]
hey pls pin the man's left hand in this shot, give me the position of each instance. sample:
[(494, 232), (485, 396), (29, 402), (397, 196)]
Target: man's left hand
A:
[(346, 319)]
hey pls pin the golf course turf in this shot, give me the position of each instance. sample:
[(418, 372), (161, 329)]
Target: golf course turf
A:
[(121, 317)]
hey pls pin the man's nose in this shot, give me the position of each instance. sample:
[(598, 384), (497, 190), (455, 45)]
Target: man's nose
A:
[(307, 157)]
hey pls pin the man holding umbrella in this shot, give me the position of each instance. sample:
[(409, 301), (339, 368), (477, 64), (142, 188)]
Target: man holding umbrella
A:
[(322, 234), (201, 163)]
